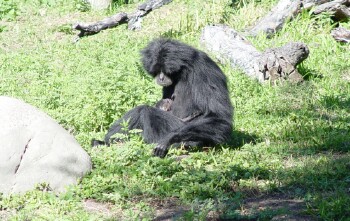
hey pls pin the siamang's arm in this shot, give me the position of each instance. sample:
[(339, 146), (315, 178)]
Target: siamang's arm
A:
[(207, 131), (192, 116)]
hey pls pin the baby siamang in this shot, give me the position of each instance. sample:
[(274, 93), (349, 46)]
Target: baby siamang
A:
[(164, 104), (195, 109)]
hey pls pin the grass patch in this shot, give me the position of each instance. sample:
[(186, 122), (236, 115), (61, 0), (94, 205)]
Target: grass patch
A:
[(289, 140)]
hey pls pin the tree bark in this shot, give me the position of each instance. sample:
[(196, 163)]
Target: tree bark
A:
[(287, 9), (91, 29), (339, 8), (274, 21), (341, 34), (272, 64), (133, 19), (143, 9), (308, 4)]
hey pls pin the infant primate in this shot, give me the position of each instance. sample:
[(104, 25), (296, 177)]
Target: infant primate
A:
[(164, 104)]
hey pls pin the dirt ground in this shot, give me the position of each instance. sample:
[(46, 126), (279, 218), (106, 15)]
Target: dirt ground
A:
[(283, 207)]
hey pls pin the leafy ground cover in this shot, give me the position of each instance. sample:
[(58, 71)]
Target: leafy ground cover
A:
[(289, 157)]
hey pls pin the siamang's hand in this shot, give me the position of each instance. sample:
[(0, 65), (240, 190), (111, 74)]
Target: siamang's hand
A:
[(95, 143), (160, 150)]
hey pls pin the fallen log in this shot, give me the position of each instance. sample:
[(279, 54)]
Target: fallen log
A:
[(339, 9), (91, 29), (287, 9), (272, 65), (308, 4), (133, 19), (274, 21), (341, 35)]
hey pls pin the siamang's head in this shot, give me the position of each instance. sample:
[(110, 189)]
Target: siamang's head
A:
[(166, 60)]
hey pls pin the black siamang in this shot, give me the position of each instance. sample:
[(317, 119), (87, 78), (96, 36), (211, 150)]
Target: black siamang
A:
[(195, 109)]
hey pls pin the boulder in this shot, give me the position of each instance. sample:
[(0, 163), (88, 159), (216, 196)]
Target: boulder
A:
[(36, 149), (99, 4)]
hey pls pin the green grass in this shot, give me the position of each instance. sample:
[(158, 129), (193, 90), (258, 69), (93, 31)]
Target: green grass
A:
[(291, 140)]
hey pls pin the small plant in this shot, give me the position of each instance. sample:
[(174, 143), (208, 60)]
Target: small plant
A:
[(8, 10), (82, 5), (3, 28)]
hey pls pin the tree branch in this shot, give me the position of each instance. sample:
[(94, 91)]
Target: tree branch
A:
[(287, 9), (133, 19), (337, 7), (274, 21), (341, 34)]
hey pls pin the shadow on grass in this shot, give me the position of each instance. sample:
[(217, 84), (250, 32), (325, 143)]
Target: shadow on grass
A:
[(319, 131), (308, 123), (308, 74), (315, 184), (238, 139), (333, 101), (317, 190)]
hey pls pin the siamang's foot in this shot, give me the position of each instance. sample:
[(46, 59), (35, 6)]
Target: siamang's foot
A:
[(95, 143), (160, 150), (115, 140)]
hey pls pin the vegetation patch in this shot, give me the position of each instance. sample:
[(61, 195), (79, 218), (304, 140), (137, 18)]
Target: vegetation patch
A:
[(288, 157)]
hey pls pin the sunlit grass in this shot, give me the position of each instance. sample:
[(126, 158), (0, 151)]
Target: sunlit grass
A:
[(290, 139)]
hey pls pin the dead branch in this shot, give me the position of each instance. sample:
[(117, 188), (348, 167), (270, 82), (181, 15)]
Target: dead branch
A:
[(339, 9), (91, 29), (308, 4), (133, 19), (143, 9), (283, 11), (272, 64), (287, 9), (341, 35)]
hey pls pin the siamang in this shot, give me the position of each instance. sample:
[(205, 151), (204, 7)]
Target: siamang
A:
[(195, 109)]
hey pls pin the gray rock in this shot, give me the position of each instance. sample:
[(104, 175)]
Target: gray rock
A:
[(99, 4), (36, 149)]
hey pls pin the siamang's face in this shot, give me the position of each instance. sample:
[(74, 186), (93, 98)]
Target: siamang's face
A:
[(163, 80), (165, 60)]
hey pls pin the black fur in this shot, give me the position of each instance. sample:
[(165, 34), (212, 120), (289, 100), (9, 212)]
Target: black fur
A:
[(201, 110)]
